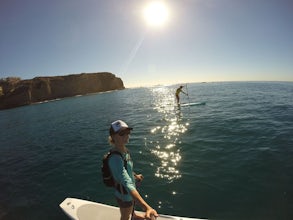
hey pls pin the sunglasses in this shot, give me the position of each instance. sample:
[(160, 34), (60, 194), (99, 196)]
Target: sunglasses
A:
[(124, 132)]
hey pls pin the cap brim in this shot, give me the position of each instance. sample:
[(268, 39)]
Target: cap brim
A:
[(126, 129)]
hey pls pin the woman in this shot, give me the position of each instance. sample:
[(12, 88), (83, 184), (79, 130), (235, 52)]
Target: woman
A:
[(178, 92), (125, 192)]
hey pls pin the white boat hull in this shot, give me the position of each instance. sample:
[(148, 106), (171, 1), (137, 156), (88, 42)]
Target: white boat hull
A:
[(79, 209)]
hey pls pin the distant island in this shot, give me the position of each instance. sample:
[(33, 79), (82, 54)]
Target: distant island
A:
[(15, 92)]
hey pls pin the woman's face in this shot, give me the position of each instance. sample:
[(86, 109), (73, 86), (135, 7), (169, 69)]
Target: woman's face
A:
[(122, 137)]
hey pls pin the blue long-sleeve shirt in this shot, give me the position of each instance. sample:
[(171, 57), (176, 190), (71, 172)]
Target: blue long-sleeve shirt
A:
[(121, 175)]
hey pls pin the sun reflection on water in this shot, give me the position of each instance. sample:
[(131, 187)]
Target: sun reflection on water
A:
[(165, 136)]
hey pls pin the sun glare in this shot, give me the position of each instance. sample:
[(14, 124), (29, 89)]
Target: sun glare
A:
[(156, 14)]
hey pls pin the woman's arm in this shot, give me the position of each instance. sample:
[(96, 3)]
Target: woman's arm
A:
[(148, 210), (119, 172)]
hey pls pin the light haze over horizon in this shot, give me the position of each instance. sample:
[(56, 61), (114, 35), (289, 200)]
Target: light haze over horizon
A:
[(201, 40)]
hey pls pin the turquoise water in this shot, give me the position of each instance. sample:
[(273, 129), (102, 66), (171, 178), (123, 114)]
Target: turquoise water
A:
[(228, 159)]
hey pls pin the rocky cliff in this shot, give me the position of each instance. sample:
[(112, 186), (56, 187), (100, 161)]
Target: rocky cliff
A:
[(15, 92)]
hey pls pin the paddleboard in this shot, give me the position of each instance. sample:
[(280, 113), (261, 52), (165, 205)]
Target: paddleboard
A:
[(79, 209), (192, 104)]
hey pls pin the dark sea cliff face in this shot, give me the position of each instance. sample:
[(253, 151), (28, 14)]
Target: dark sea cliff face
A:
[(15, 93)]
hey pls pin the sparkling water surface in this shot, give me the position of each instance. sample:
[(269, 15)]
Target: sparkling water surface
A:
[(228, 158)]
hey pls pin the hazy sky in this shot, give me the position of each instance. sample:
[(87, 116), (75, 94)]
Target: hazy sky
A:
[(202, 40)]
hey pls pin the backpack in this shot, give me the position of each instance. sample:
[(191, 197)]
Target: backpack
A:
[(106, 172)]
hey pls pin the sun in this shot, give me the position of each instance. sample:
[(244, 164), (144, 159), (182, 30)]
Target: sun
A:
[(156, 14)]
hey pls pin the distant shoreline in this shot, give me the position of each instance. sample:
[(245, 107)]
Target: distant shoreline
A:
[(16, 92)]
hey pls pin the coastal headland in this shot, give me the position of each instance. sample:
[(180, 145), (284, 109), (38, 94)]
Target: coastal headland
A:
[(15, 92)]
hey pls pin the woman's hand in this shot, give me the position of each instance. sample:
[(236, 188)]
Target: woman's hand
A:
[(138, 177), (151, 213)]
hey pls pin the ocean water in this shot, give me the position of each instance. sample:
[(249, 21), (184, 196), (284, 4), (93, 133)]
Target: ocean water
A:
[(230, 158)]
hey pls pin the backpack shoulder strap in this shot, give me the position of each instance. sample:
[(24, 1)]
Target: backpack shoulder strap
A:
[(118, 153), (115, 152)]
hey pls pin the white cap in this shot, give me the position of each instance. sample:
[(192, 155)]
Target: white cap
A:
[(116, 126)]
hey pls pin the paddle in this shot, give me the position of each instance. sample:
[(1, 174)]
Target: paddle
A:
[(187, 93)]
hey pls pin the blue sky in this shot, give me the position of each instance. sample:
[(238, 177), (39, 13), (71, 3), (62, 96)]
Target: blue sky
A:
[(203, 40)]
